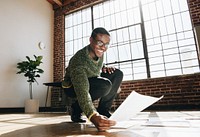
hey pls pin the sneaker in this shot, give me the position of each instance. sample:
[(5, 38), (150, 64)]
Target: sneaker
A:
[(76, 113), (77, 119), (104, 112)]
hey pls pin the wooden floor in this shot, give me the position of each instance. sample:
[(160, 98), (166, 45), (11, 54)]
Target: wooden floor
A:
[(145, 124)]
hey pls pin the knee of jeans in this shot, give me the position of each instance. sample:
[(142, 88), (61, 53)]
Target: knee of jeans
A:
[(107, 87)]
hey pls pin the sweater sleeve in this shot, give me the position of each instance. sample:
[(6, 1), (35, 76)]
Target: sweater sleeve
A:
[(81, 86)]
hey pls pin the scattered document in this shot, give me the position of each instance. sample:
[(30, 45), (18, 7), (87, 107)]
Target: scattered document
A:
[(168, 123), (127, 124), (132, 105)]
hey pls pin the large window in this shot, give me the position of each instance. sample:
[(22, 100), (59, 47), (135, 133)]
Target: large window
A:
[(149, 38)]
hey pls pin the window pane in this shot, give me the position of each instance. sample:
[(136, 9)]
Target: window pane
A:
[(131, 4), (158, 67), (183, 5), (124, 52), (166, 7), (158, 74), (137, 50), (156, 30), (163, 29), (146, 13), (107, 22), (159, 7), (112, 54), (175, 6), (178, 22), (185, 19), (156, 60), (130, 16), (127, 70), (124, 18), (173, 72), (153, 13), (170, 25), (106, 8), (139, 69), (173, 65)]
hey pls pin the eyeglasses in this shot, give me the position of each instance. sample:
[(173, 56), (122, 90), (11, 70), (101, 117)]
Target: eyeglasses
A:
[(101, 44)]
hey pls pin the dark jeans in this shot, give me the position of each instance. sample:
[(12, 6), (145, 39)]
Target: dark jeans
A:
[(103, 88)]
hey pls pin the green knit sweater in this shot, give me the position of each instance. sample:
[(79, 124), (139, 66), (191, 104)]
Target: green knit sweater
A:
[(81, 67)]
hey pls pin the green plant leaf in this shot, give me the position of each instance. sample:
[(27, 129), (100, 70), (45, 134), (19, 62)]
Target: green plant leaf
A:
[(30, 68)]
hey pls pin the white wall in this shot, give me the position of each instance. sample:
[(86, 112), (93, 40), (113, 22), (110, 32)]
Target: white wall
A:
[(23, 24)]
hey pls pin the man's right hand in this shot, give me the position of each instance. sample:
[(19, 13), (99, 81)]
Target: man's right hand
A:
[(102, 123)]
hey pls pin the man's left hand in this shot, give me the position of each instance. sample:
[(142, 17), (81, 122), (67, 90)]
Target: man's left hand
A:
[(109, 70)]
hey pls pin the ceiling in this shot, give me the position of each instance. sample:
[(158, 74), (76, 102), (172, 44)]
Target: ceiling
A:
[(60, 3)]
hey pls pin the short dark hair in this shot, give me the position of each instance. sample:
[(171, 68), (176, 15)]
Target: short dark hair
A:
[(99, 30)]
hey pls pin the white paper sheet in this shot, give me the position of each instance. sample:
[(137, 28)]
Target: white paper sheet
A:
[(132, 105), (167, 124)]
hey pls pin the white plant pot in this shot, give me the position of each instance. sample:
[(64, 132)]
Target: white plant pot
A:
[(31, 106)]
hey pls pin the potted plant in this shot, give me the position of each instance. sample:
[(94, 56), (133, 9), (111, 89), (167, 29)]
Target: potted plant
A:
[(30, 69)]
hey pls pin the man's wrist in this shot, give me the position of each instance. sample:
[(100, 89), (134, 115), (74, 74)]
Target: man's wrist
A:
[(94, 113)]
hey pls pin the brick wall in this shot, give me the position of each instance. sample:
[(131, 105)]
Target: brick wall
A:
[(194, 7), (59, 48), (180, 92)]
